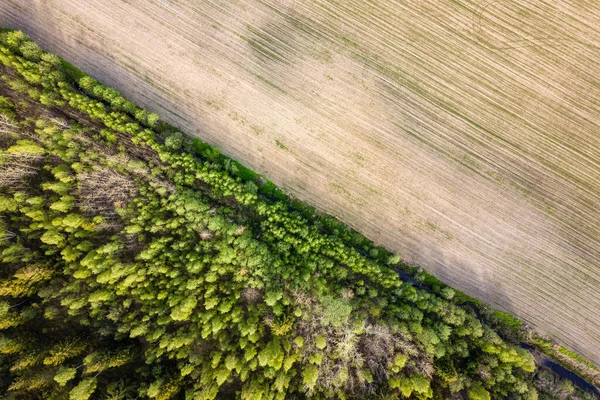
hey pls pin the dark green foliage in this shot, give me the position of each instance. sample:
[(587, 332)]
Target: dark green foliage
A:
[(71, 71), (207, 151), (135, 269), (506, 320)]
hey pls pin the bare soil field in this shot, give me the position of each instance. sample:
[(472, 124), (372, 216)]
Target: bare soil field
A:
[(464, 134)]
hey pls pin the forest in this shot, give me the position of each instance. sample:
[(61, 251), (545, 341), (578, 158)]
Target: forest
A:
[(134, 266)]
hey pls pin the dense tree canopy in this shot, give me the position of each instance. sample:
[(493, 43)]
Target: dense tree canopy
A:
[(135, 269)]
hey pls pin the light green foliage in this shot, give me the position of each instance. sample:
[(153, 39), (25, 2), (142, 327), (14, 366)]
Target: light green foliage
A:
[(152, 119), (394, 260), (52, 237), (478, 392), (310, 374), (174, 141), (64, 375), (64, 350), (527, 360), (73, 221), (406, 387), (184, 309), (272, 297), (25, 281), (447, 293), (421, 385), (26, 148), (162, 390), (399, 362), (336, 311), (271, 355), (316, 358), (320, 342), (83, 390)]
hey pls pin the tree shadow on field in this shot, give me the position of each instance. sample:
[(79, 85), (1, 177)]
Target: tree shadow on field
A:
[(481, 284)]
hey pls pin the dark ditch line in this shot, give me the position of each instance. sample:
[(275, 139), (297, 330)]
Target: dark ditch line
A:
[(543, 360)]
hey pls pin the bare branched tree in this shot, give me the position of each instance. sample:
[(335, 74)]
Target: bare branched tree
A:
[(15, 168), (6, 125), (103, 190), (8, 128), (5, 234), (355, 347), (61, 123)]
